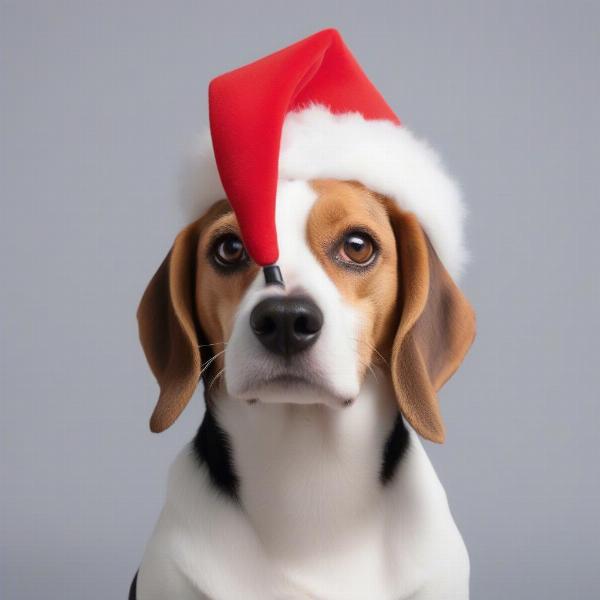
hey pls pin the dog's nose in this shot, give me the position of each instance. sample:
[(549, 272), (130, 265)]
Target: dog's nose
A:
[(286, 325)]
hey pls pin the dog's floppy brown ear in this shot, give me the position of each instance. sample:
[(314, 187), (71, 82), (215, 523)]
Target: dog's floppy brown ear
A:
[(168, 332), (436, 328)]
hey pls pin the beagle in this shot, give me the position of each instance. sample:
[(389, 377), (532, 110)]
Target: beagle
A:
[(306, 478)]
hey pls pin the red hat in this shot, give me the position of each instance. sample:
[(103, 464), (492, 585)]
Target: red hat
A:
[(309, 111)]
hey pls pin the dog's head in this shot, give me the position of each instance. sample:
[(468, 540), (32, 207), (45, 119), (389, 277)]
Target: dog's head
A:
[(364, 289)]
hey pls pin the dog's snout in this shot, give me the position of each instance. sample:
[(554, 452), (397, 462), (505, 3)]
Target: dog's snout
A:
[(286, 325)]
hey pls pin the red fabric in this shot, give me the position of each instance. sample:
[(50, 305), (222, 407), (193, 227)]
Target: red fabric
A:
[(247, 108)]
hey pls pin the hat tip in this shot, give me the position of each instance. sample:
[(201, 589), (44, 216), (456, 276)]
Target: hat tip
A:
[(273, 275)]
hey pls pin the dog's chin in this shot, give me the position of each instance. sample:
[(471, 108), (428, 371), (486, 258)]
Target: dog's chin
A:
[(293, 389)]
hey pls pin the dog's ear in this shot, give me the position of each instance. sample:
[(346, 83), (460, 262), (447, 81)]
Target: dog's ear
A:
[(436, 328), (167, 328)]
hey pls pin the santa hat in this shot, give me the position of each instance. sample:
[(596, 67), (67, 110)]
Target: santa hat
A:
[(307, 112)]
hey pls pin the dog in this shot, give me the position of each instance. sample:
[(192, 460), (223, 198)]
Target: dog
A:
[(307, 478)]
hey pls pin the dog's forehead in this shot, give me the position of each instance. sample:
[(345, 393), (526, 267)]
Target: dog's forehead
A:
[(324, 205), (311, 216), (295, 202), (337, 200)]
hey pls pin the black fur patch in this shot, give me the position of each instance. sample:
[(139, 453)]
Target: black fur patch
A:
[(213, 449), (394, 449), (132, 589)]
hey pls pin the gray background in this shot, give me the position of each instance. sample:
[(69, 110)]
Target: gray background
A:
[(99, 101)]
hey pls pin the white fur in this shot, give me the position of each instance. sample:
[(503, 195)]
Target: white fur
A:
[(314, 522), (332, 363), (313, 519), (386, 158)]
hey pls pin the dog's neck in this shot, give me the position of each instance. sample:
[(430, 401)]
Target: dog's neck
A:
[(302, 473)]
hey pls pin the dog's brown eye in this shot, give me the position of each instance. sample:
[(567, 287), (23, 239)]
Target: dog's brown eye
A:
[(358, 248), (229, 251)]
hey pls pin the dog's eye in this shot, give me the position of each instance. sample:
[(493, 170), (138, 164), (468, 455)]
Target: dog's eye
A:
[(357, 248), (229, 251)]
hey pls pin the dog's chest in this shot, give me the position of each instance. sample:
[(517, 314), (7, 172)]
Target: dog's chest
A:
[(311, 487), (313, 519)]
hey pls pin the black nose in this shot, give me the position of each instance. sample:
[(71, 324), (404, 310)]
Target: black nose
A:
[(286, 325)]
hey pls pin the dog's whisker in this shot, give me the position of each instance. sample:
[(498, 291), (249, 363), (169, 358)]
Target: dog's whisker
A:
[(373, 348), (368, 366), (210, 361), (380, 355), (219, 374), (373, 373), (371, 369), (215, 344)]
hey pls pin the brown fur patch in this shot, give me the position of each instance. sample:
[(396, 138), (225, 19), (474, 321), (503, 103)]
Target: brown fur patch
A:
[(373, 292), (185, 291), (217, 295)]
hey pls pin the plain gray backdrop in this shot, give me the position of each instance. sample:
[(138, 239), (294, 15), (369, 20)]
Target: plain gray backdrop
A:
[(99, 101)]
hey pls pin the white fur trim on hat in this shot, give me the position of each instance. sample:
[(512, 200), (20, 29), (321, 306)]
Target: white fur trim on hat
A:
[(385, 157)]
